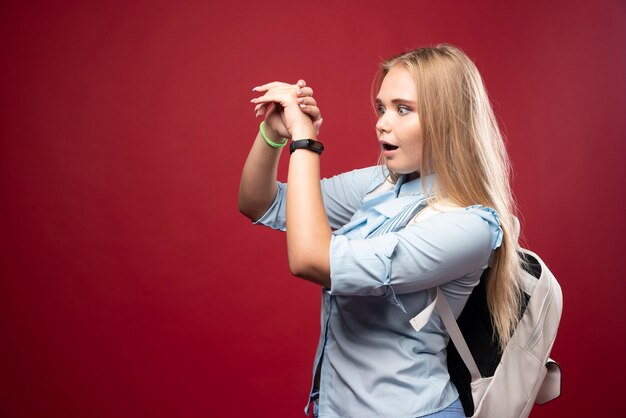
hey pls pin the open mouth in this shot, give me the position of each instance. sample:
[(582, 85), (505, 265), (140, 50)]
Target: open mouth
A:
[(389, 147)]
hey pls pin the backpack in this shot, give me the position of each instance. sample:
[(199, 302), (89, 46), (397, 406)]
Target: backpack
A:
[(502, 384)]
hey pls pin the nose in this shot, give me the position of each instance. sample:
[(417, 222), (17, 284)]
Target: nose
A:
[(382, 125)]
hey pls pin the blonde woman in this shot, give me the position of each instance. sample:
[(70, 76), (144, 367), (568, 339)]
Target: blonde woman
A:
[(437, 212)]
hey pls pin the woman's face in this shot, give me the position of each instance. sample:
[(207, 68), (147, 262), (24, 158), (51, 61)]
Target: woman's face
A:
[(398, 126)]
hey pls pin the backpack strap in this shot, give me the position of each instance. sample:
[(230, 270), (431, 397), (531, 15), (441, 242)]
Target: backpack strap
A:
[(441, 304), (516, 228)]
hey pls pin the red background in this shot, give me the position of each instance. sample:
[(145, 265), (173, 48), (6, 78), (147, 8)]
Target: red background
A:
[(130, 285)]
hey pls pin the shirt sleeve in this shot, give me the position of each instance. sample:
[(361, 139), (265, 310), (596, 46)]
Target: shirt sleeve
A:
[(423, 255), (342, 195)]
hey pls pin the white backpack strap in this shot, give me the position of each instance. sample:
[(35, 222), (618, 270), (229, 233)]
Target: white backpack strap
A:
[(441, 304), (551, 386), (516, 228)]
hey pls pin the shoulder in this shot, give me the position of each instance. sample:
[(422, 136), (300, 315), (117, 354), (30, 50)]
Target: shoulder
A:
[(475, 222), (442, 206)]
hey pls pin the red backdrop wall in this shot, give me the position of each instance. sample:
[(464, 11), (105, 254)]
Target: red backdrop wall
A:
[(130, 286)]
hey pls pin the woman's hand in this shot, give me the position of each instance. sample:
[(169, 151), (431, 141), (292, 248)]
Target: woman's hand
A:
[(288, 108)]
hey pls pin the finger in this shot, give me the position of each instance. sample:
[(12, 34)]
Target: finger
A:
[(260, 109), (260, 106), (304, 91), (265, 87), (263, 99), (269, 86), (309, 101), (283, 96), (317, 125), (301, 83), (312, 111)]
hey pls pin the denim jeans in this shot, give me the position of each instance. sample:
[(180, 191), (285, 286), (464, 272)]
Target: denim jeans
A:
[(454, 410)]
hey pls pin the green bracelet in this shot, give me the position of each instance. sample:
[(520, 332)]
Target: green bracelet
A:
[(269, 141)]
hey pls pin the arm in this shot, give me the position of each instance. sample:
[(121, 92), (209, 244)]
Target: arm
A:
[(308, 231), (258, 180), (445, 247)]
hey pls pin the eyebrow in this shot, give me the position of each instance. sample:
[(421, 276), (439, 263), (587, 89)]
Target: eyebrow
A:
[(397, 101)]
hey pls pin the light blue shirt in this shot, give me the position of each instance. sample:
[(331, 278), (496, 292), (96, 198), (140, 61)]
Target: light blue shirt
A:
[(373, 363)]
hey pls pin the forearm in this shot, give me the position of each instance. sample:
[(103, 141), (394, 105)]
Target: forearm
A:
[(258, 179), (308, 231)]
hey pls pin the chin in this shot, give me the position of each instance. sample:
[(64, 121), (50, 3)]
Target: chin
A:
[(401, 170)]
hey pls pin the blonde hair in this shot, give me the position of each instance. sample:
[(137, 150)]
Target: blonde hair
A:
[(463, 145)]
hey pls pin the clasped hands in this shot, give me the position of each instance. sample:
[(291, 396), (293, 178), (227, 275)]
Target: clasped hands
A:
[(290, 110)]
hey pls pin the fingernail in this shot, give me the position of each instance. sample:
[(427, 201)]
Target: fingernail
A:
[(300, 100), (303, 106), (255, 88), (298, 91), (256, 115), (253, 101)]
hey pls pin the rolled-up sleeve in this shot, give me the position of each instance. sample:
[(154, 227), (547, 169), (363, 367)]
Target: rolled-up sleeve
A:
[(423, 255), (342, 195), (275, 216)]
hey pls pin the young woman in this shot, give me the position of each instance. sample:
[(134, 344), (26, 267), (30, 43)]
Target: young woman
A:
[(437, 212)]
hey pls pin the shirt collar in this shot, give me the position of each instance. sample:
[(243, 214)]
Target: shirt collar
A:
[(414, 187)]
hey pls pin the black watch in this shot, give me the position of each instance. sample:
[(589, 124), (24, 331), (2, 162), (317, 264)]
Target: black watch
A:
[(310, 144)]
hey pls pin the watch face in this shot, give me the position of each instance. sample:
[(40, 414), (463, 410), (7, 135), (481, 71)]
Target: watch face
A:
[(314, 145), (309, 144)]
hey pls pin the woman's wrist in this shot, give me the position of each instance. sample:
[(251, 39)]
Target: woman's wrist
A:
[(306, 131), (270, 133), (271, 142)]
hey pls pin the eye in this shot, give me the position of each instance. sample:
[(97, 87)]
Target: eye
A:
[(381, 110), (403, 110)]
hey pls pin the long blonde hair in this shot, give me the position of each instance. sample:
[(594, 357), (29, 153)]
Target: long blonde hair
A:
[(463, 145)]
